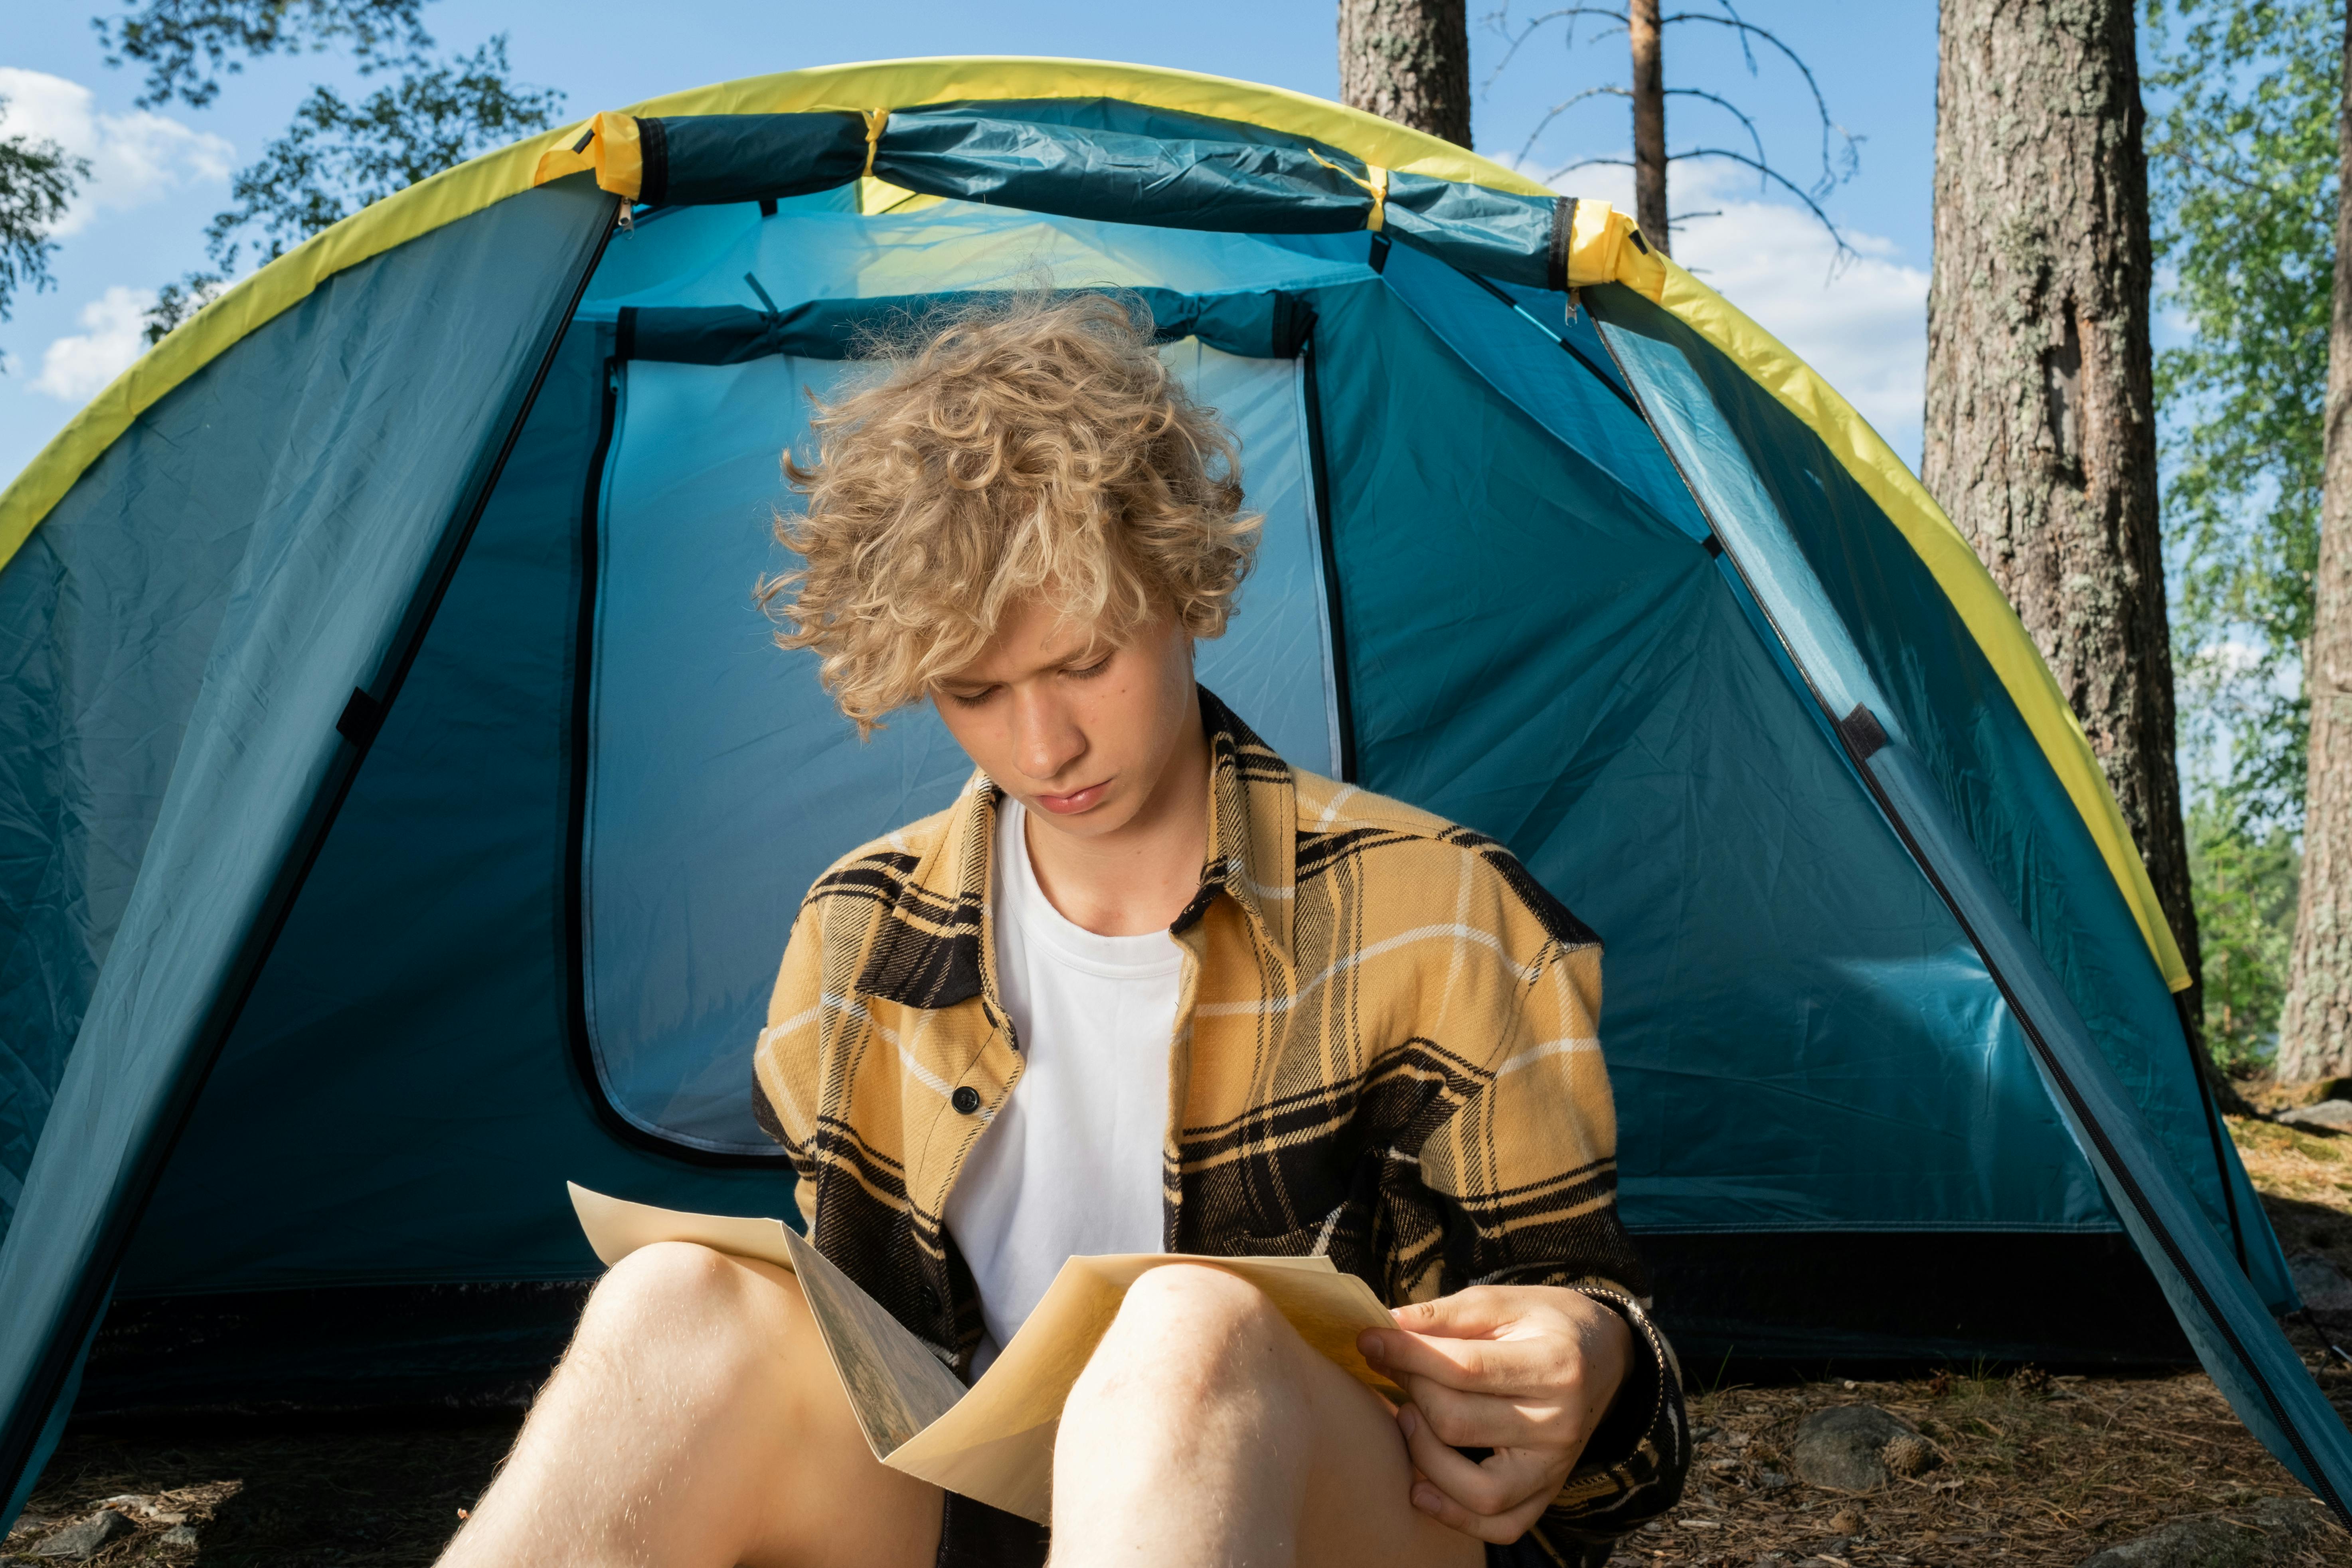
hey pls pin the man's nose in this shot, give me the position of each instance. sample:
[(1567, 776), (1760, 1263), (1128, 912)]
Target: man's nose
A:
[(1046, 739)]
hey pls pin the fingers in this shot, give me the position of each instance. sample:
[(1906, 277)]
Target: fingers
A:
[(1480, 1366), (1473, 1313), (1496, 1499), (1482, 1421)]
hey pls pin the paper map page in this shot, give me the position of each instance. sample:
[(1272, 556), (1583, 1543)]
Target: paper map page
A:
[(994, 1441)]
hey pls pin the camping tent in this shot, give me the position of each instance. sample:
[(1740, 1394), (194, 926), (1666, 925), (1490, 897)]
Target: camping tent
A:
[(400, 811)]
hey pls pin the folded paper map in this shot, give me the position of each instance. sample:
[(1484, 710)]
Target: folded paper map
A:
[(994, 1440)]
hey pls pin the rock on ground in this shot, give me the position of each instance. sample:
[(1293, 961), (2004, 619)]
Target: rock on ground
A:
[(2328, 1116), (1845, 1448), (2322, 1285), (2272, 1530), (86, 1538)]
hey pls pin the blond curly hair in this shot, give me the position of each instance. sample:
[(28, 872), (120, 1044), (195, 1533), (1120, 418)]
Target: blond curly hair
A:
[(1014, 447)]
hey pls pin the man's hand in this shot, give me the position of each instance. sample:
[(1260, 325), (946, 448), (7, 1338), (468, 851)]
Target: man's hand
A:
[(1527, 1370)]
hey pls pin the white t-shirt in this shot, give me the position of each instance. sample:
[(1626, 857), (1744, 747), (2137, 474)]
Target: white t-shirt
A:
[(1071, 1164)]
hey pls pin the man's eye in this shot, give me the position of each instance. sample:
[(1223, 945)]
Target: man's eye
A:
[(968, 699), (1089, 671)]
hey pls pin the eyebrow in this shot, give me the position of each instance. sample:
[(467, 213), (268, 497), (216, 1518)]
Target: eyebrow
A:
[(1089, 654)]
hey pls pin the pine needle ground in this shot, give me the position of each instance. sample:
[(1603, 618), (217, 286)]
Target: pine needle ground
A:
[(2031, 1471)]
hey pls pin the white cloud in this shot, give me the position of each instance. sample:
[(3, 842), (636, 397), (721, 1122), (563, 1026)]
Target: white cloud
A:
[(75, 368), (1864, 330), (134, 158)]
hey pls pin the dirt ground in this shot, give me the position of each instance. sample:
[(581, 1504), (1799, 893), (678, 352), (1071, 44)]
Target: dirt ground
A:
[(2030, 1471)]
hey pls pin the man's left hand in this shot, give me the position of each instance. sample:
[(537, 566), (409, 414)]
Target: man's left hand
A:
[(1527, 1370)]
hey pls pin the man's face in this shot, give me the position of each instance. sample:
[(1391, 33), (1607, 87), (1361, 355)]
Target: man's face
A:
[(1078, 731)]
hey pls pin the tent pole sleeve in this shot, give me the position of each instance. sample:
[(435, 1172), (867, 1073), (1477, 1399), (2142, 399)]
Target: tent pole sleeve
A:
[(2257, 1371)]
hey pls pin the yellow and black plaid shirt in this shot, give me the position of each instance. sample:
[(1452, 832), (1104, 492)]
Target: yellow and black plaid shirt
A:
[(1385, 1051)]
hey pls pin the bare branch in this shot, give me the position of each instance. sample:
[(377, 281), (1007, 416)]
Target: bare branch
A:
[(1499, 21), (1845, 252), (1587, 163), (1562, 107), (1727, 105), (1830, 172), (1839, 148), (1745, 53)]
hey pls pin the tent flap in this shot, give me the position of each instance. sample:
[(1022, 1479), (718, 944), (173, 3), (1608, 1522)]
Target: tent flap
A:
[(429, 352)]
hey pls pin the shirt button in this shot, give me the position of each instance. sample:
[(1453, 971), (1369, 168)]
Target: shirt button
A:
[(966, 1100)]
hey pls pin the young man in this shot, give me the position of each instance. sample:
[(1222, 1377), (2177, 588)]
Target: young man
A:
[(1143, 987)]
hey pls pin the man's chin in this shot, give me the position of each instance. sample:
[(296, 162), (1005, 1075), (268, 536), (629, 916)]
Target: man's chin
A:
[(1108, 814)]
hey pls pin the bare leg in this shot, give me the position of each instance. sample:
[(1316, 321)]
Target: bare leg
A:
[(1205, 1431), (696, 1421)]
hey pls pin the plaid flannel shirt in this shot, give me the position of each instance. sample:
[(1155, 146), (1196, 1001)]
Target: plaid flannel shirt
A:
[(1385, 1051)]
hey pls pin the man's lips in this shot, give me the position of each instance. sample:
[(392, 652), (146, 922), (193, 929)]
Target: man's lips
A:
[(1078, 800)]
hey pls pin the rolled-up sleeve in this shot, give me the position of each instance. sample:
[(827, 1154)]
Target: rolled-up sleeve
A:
[(1526, 1170)]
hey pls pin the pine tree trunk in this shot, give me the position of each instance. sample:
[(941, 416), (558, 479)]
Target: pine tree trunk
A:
[(1408, 60), (1649, 124), (2041, 436), (2315, 1039)]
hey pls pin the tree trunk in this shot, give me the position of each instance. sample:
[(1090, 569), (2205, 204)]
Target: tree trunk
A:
[(1649, 125), (2316, 1039), (1408, 60), (2040, 436)]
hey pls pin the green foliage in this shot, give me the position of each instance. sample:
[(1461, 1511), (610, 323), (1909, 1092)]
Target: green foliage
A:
[(2244, 877), (37, 180), (167, 37), (2242, 167), (337, 156)]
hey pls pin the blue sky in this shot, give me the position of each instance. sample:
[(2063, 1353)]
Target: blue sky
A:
[(162, 174)]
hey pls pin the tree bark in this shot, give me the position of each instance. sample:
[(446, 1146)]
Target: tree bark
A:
[(2315, 1036), (2041, 436), (1408, 60), (1649, 125)]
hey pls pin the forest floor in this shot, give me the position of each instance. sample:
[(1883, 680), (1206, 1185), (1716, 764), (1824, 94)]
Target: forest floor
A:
[(2031, 1471)]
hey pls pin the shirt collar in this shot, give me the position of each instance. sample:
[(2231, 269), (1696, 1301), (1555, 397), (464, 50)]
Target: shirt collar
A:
[(1252, 827), (1253, 837)]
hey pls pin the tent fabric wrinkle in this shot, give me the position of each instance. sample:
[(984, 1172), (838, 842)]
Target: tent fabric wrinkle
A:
[(257, 748), (1258, 324), (498, 175), (404, 806)]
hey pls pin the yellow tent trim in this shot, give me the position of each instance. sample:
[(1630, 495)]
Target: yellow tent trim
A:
[(1983, 609), (1601, 249), (468, 188)]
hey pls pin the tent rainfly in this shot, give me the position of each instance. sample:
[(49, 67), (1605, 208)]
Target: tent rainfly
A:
[(400, 811)]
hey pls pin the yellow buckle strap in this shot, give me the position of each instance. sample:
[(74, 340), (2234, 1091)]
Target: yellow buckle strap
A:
[(1374, 183), (875, 119)]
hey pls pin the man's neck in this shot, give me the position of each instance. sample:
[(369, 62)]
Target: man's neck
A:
[(1140, 878)]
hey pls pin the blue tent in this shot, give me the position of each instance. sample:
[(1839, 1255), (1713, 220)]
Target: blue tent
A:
[(401, 812)]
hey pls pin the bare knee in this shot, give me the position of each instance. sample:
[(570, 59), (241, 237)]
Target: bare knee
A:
[(665, 1283), (677, 1308), (1191, 1335)]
